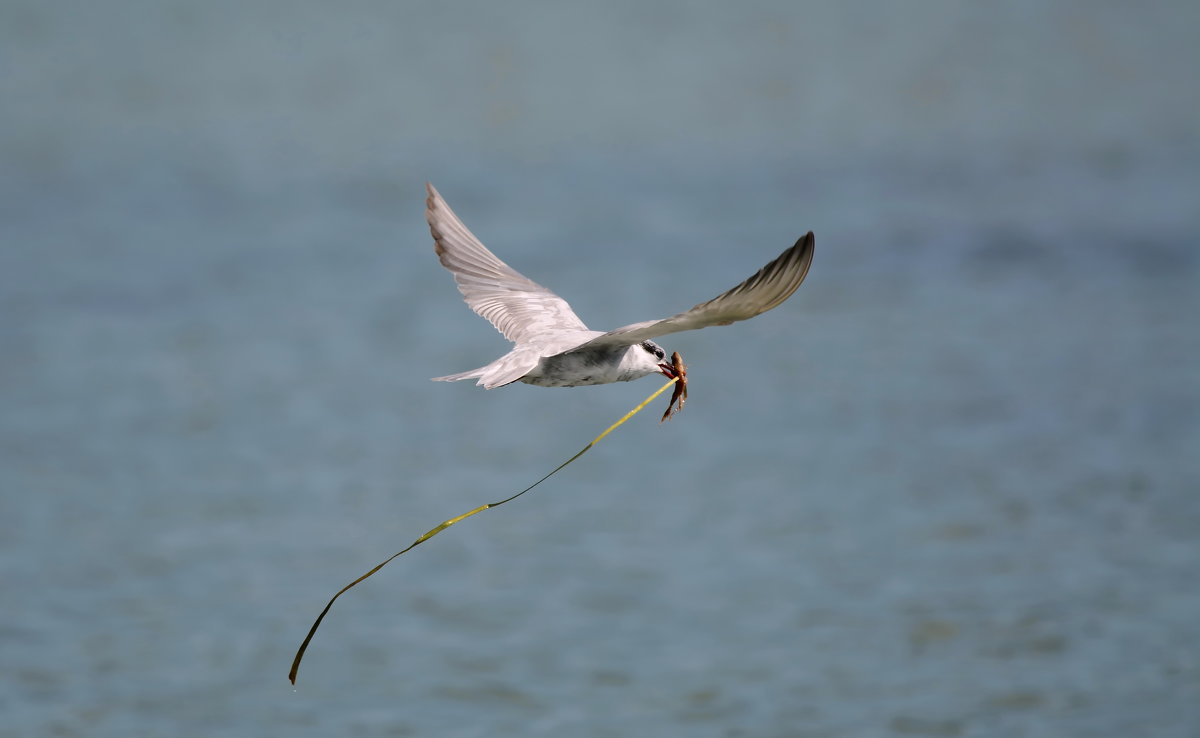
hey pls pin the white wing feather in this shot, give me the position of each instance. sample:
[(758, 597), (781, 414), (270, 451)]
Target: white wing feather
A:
[(520, 308)]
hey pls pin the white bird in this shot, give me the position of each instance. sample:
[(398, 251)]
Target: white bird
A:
[(553, 346)]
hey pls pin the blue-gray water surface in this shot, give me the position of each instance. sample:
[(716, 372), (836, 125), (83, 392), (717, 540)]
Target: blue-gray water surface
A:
[(950, 488)]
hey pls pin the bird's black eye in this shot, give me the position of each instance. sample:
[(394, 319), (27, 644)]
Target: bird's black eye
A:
[(653, 348)]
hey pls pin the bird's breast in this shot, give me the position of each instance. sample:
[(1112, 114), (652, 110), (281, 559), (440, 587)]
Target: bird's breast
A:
[(579, 369)]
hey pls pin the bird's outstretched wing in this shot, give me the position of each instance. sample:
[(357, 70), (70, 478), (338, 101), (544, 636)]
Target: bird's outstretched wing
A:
[(520, 308), (768, 288)]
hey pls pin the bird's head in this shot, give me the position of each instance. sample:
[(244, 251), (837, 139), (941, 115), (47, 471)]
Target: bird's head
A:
[(658, 356)]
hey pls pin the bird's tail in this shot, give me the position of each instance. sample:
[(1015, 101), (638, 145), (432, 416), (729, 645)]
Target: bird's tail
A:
[(473, 374)]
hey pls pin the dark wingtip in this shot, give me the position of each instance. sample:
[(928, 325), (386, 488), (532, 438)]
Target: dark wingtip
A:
[(804, 247)]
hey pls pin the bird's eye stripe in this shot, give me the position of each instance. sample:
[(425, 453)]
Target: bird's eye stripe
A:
[(652, 348)]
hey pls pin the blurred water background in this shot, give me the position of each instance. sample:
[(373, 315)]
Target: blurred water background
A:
[(949, 489)]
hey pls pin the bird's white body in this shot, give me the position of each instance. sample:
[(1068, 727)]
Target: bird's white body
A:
[(553, 346), (597, 366), (555, 365)]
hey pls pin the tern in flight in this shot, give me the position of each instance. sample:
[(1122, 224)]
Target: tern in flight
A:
[(553, 346)]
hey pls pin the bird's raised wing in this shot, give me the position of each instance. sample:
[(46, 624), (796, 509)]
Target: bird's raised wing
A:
[(768, 288), (520, 308)]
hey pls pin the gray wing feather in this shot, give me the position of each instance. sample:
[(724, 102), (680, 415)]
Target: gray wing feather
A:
[(518, 307), (768, 288)]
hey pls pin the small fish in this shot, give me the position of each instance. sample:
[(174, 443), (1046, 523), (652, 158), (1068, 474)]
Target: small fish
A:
[(680, 394)]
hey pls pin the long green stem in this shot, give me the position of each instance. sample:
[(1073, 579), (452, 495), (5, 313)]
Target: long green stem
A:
[(446, 524)]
